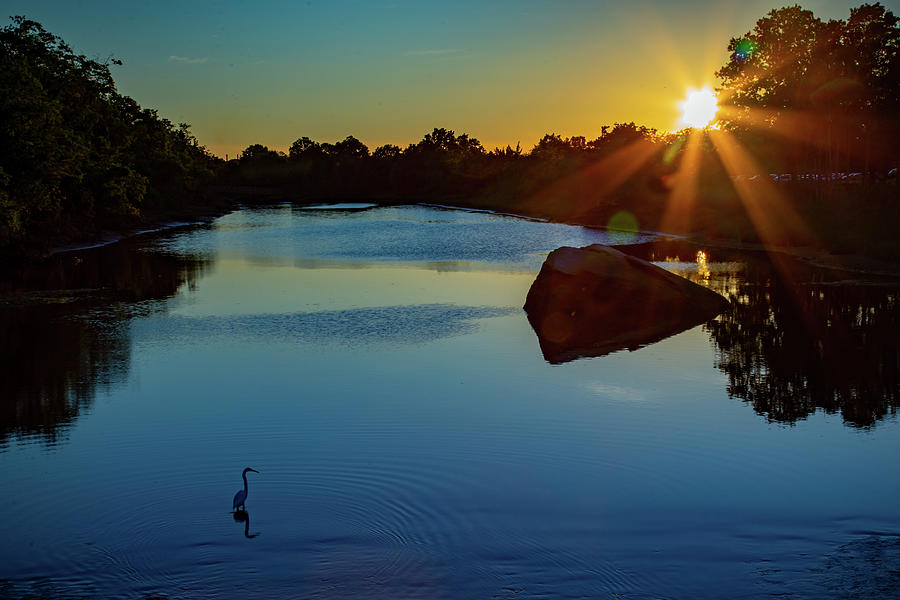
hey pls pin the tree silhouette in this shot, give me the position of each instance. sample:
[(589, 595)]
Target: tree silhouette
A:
[(387, 151), (351, 147), (303, 148), (257, 152), (74, 153), (832, 88), (769, 64)]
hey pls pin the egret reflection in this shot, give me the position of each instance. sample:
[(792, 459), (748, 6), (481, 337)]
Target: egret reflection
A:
[(242, 516)]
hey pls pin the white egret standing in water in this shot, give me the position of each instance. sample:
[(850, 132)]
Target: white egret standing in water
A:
[(241, 495)]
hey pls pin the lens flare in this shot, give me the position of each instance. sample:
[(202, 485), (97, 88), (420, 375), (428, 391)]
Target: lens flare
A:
[(744, 49), (624, 222)]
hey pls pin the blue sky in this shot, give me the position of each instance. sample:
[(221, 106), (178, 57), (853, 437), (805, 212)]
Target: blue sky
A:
[(388, 72)]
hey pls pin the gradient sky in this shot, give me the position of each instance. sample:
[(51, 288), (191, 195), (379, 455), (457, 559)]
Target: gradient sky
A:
[(389, 72)]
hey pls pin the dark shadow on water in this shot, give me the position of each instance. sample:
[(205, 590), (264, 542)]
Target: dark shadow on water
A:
[(53, 362), (243, 516), (65, 330), (789, 350), (338, 207), (798, 339)]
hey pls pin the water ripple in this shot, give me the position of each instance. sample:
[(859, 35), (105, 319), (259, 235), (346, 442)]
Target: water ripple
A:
[(390, 324)]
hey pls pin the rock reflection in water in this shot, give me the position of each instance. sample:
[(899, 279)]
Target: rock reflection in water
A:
[(797, 339), (57, 351)]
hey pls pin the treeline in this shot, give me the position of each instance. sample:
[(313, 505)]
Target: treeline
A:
[(75, 155), (629, 177), (445, 167), (799, 96), (815, 103)]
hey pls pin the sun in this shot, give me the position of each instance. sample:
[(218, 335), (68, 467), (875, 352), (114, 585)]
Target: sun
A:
[(698, 109)]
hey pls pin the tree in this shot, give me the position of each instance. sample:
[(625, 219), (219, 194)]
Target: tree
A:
[(387, 151), (303, 148), (508, 152), (445, 142), (258, 152), (351, 147), (770, 62), (620, 135), (832, 88), (74, 153), (551, 146), (872, 38)]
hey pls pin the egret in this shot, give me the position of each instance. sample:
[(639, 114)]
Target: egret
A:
[(241, 495)]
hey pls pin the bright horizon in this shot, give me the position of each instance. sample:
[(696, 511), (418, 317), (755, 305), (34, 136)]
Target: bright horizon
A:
[(503, 72)]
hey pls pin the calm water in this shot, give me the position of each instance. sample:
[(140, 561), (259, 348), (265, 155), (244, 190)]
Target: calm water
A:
[(377, 368)]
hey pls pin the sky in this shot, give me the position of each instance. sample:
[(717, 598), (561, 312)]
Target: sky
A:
[(505, 72)]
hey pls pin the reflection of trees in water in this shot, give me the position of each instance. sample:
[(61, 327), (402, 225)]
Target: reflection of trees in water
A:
[(65, 334), (789, 350), (53, 361)]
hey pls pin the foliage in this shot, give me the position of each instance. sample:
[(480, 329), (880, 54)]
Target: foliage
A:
[(76, 155), (799, 95), (831, 88), (441, 166)]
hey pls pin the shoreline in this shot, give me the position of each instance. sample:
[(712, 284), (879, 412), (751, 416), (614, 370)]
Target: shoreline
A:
[(118, 236), (820, 258), (236, 198)]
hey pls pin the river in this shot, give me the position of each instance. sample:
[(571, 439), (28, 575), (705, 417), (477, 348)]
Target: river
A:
[(374, 364)]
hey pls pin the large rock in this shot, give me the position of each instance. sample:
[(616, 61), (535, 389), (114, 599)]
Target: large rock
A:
[(595, 300)]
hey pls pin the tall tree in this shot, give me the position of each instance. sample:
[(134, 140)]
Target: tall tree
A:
[(832, 88), (769, 63)]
